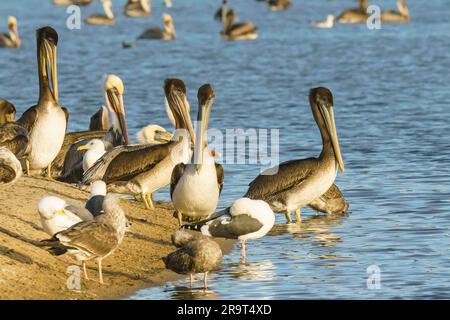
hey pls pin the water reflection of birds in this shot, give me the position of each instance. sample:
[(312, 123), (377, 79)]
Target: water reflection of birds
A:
[(179, 292), (251, 271)]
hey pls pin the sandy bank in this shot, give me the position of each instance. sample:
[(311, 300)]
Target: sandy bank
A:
[(30, 272)]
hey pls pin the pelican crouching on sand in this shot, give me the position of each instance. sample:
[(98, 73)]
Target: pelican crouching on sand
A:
[(331, 202), (95, 239), (168, 33), (106, 19), (195, 187), (115, 136), (47, 121), (10, 167), (297, 183), (402, 16), (10, 39), (196, 254), (245, 220), (237, 31), (144, 169), (355, 15), (138, 8), (7, 112)]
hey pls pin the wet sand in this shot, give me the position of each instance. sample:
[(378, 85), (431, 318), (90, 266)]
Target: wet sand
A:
[(30, 272)]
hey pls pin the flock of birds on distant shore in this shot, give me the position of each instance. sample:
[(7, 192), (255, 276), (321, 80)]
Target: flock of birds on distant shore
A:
[(104, 159)]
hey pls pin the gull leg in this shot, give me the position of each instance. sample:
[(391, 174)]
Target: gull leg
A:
[(243, 249), (298, 216), (49, 171), (205, 280), (100, 274), (27, 164), (288, 216), (180, 218), (85, 271)]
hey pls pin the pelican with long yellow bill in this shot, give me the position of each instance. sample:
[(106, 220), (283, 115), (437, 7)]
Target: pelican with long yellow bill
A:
[(46, 122), (297, 183)]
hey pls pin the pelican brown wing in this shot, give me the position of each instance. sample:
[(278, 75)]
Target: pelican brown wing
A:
[(177, 173), (239, 29), (290, 174), (14, 137), (220, 176)]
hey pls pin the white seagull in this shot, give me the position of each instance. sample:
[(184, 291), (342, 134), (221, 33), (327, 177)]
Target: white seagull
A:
[(327, 24)]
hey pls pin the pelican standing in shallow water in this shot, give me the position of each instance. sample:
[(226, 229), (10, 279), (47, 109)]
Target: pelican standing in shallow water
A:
[(10, 39), (195, 187), (356, 15), (47, 121), (402, 16), (298, 182), (7, 112), (168, 33), (143, 169), (237, 31), (138, 8), (106, 19)]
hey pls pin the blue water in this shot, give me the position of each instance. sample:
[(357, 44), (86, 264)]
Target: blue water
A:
[(392, 110)]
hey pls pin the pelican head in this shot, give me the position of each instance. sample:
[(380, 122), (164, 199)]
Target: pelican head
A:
[(113, 88), (205, 98), (168, 23), (175, 92), (321, 101), (153, 134), (403, 8), (47, 42)]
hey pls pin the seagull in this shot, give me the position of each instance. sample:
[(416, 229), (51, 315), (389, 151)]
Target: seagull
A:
[(95, 150), (96, 198), (57, 215), (246, 219), (197, 253), (95, 239), (327, 24)]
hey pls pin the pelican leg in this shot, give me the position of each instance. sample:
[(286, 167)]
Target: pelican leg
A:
[(205, 280), (100, 274), (27, 164), (85, 271), (288, 216), (148, 201), (49, 171), (180, 218), (298, 216), (191, 278)]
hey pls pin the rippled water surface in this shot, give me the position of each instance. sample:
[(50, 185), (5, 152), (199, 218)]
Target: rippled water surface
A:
[(392, 110)]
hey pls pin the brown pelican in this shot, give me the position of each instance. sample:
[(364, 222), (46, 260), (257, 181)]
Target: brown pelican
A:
[(11, 39), (99, 120), (298, 182), (153, 134), (401, 16), (237, 31), (71, 2), (195, 187), (168, 33), (46, 122), (10, 167), (95, 239), (197, 253), (278, 5), (245, 220), (331, 202), (143, 169), (106, 19), (327, 24), (15, 138), (56, 215), (356, 15), (115, 136), (138, 8), (7, 112)]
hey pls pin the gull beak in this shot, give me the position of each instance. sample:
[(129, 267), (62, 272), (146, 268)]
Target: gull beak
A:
[(80, 148), (216, 154), (61, 212)]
